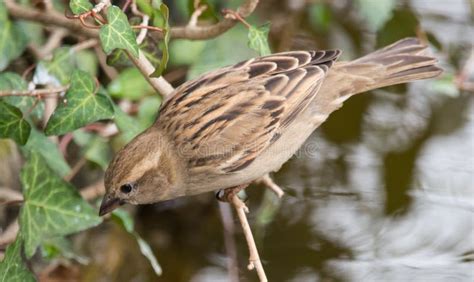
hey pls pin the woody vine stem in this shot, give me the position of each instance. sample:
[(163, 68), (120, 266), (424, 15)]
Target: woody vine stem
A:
[(192, 31)]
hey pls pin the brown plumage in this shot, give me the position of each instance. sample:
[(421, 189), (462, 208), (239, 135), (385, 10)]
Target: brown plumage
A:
[(233, 125)]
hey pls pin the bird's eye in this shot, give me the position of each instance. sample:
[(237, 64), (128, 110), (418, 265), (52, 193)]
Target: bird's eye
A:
[(126, 188)]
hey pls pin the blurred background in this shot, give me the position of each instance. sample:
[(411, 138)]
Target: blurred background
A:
[(383, 191)]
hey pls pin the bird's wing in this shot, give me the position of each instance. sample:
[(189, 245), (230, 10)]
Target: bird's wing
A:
[(223, 120)]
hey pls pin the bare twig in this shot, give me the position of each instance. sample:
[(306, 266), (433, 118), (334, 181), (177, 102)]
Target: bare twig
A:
[(268, 181), (146, 68), (9, 235), (196, 14), (229, 241), (86, 44), (254, 258), (75, 169), (111, 72), (54, 41), (206, 32), (37, 92), (49, 18)]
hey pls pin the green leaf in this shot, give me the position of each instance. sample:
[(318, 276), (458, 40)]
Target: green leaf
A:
[(81, 106), (13, 268), (185, 52), (148, 110), (12, 123), (86, 60), (38, 142), (165, 13), (445, 85), (258, 39), (130, 84), (216, 53), (117, 34), (52, 207), (124, 219), (12, 39), (98, 151), (128, 126), (118, 58), (12, 81), (80, 6), (320, 16), (56, 71), (60, 247), (375, 12)]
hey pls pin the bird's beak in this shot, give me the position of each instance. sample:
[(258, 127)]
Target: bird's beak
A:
[(109, 204)]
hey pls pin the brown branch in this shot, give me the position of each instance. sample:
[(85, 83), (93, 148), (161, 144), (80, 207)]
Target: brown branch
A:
[(268, 181), (229, 241), (37, 92), (254, 258), (49, 18), (206, 32)]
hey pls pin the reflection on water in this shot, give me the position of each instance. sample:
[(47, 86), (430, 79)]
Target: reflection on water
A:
[(389, 196)]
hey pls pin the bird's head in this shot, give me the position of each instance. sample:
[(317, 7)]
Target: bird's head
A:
[(142, 172)]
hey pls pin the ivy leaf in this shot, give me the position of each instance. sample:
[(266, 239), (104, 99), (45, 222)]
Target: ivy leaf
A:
[(98, 151), (12, 268), (12, 81), (56, 71), (165, 13), (80, 6), (81, 106), (12, 39), (52, 207), (258, 39), (12, 123), (130, 84), (38, 142), (375, 12), (117, 33), (124, 219), (128, 126)]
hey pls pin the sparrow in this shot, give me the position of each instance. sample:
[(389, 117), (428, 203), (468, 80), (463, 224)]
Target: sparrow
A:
[(233, 125)]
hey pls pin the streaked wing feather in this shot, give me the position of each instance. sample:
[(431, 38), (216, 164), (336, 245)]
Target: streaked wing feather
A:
[(226, 118)]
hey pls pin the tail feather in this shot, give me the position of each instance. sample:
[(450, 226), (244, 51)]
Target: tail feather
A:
[(401, 62)]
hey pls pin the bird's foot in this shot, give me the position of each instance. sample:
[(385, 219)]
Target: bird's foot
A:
[(226, 195)]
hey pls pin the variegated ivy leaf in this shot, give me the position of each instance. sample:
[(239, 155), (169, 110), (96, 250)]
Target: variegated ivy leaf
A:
[(13, 268), (81, 106), (48, 150), (51, 207), (56, 71), (12, 39), (80, 6), (117, 33), (165, 13), (12, 123), (258, 39), (12, 81)]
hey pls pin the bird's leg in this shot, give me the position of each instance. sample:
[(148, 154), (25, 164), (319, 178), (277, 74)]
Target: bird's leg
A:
[(226, 195)]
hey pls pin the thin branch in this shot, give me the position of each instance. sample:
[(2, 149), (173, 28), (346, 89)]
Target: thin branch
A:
[(146, 68), (50, 18), (36, 92), (254, 258), (196, 14), (268, 181), (229, 241), (211, 31), (86, 44), (54, 41)]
